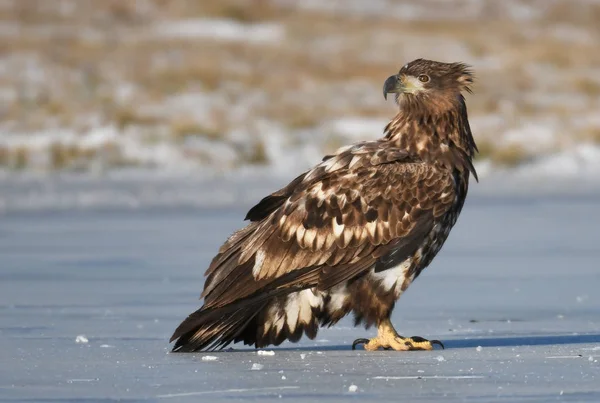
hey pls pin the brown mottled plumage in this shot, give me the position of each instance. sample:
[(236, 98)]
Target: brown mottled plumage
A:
[(352, 233)]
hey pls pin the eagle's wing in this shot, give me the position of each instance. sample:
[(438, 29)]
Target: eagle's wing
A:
[(336, 219), (327, 226)]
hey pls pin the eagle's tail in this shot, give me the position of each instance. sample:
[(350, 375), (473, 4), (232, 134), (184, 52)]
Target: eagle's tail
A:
[(216, 328)]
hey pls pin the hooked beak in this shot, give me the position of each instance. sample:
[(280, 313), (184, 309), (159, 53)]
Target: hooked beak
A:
[(393, 85)]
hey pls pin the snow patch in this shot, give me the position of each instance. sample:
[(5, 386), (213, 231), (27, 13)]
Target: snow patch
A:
[(220, 29), (352, 388), (257, 367), (209, 358), (81, 339), (581, 160), (266, 352), (357, 129)]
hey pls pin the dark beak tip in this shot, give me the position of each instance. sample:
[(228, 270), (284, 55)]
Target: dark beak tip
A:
[(390, 85)]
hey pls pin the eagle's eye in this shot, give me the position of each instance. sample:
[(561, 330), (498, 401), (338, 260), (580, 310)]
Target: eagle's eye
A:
[(423, 78)]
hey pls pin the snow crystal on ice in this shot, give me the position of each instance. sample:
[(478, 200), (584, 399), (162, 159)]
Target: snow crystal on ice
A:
[(81, 339), (266, 352), (209, 358), (257, 367), (352, 388), (302, 356), (439, 358)]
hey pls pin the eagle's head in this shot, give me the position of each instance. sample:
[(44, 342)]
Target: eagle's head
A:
[(429, 83)]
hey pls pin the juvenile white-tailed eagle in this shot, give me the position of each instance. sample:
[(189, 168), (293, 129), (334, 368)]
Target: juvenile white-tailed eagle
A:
[(352, 233)]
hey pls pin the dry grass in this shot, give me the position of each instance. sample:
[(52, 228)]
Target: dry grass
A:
[(590, 135), (503, 155), (20, 158), (257, 154), (188, 127)]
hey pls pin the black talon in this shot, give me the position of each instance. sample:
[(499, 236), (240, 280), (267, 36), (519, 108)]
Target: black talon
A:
[(439, 343), (359, 341)]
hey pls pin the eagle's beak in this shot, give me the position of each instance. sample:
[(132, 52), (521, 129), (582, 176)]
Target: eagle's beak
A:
[(393, 85)]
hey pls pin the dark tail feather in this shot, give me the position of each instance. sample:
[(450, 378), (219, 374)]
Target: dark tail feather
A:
[(216, 327), (213, 329)]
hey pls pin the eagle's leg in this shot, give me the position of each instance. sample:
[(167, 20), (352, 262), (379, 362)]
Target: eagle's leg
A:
[(388, 339)]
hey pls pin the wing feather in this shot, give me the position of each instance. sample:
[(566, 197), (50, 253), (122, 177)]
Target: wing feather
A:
[(331, 224)]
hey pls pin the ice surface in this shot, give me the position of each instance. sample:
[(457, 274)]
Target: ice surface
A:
[(508, 280)]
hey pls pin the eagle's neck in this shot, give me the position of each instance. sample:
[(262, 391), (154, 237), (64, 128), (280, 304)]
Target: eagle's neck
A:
[(440, 136)]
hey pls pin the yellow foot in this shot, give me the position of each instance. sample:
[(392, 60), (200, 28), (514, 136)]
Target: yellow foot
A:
[(397, 343), (388, 339)]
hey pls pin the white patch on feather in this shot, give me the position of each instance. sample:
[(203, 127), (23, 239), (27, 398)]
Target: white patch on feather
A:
[(337, 228), (292, 310), (394, 276), (338, 296), (317, 188), (297, 310), (345, 148), (371, 227), (308, 300), (258, 262), (355, 160), (330, 163)]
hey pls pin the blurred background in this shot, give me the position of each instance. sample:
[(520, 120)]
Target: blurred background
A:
[(143, 102), (135, 134)]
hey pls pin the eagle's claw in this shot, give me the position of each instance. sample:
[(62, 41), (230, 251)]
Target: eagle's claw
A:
[(439, 343), (398, 343), (420, 339), (359, 341)]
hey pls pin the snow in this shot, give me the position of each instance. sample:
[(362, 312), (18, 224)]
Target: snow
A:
[(209, 358), (581, 160), (220, 29), (356, 129), (352, 388), (257, 367), (81, 339), (141, 189), (266, 352), (507, 280)]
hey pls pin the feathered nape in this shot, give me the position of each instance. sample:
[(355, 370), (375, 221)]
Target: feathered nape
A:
[(439, 135)]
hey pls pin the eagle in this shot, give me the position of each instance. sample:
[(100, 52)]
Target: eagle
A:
[(352, 233)]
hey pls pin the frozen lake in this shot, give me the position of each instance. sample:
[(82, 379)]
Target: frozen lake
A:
[(514, 295)]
